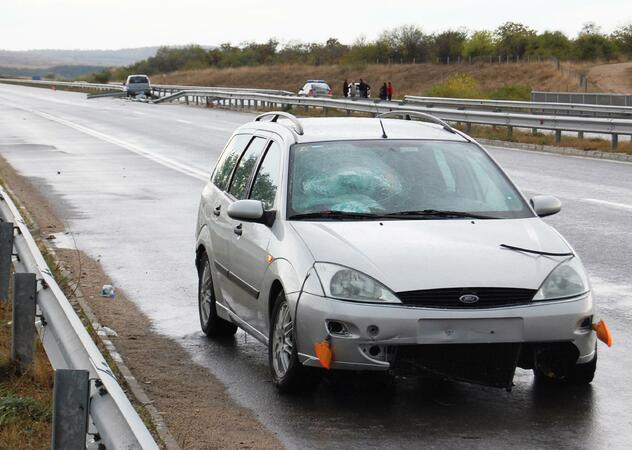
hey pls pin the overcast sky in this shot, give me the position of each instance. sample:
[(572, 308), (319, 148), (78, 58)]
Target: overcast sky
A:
[(92, 24)]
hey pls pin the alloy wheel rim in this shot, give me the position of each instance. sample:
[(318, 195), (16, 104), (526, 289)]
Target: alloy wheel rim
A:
[(282, 340), (206, 296)]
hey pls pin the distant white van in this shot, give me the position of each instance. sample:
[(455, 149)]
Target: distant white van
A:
[(137, 84)]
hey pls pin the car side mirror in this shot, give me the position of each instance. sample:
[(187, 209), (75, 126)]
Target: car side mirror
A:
[(251, 211), (545, 205)]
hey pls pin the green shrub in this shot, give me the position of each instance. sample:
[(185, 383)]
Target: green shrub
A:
[(459, 85), (511, 92)]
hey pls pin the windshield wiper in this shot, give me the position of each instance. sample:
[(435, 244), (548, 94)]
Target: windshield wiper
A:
[(438, 213), (335, 215)]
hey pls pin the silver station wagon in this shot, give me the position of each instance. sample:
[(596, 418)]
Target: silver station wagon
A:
[(388, 244)]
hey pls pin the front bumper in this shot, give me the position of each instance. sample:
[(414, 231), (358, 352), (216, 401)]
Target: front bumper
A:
[(371, 333)]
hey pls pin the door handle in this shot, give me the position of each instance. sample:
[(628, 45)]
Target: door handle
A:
[(237, 230), (217, 210)]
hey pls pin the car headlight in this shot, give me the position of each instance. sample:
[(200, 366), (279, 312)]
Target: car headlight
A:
[(348, 284), (568, 279)]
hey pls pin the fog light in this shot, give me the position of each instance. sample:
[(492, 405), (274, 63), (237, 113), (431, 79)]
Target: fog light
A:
[(373, 330), (337, 328)]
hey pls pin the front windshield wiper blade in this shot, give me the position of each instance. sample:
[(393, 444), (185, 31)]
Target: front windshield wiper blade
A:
[(334, 215), (537, 252), (438, 213)]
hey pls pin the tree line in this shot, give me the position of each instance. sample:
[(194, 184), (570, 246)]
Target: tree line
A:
[(404, 44)]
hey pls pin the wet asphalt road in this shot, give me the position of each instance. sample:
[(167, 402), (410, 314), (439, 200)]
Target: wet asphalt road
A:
[(128, 186)]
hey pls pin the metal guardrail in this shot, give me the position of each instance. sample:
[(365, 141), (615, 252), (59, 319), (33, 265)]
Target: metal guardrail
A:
[(586, 98), (573, 109), (558, 123), (610, 126), (70, 84), (164, 89), (69, 346)]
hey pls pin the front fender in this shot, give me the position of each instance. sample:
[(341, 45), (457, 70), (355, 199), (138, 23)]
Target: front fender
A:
[(280, 271)]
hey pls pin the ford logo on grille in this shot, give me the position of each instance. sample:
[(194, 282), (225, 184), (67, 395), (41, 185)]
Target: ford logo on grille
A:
[(469, 298)]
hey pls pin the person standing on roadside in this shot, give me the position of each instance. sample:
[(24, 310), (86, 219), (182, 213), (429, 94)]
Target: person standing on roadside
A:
[(353, 89), (345, 88), (362, 88), (383, 90), (390, 90)]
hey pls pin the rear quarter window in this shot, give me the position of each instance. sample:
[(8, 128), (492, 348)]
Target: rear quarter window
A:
[(228, 160)]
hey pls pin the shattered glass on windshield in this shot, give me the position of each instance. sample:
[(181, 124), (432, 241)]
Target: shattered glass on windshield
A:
[(344, 183), (386, 177)]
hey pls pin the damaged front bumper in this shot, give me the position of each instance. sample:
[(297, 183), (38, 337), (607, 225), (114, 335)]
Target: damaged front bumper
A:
[(483, 346)]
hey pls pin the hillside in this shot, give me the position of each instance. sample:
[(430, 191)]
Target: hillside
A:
[(48, 58), (414, 79)]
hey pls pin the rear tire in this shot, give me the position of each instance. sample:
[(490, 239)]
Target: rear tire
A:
[(212, 325), (288, 374)]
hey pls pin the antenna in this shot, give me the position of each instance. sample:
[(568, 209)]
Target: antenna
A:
[(383, 131)]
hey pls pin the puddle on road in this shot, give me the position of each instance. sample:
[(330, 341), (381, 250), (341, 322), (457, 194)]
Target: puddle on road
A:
[(63, 240)]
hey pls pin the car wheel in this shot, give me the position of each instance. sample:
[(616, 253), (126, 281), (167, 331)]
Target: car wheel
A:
[(288, 374), (579, 374), (210, 322)]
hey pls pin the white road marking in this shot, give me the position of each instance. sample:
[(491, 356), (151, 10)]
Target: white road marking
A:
[(607, 203), (166, 162), (184, 121), (545, 153)]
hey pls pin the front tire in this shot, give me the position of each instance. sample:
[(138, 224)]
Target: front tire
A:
[(288, 374), (578, 375), (212, 325)]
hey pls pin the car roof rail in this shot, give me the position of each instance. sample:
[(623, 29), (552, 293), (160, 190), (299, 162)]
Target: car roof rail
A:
[(408, 115), (275, 116)]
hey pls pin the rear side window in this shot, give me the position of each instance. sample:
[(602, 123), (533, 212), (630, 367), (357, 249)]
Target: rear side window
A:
[(228, 160), (245, 167), (266, 181)]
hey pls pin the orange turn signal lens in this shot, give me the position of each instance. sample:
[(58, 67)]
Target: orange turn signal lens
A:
[(324, 353), (269, 259), (603, 332)]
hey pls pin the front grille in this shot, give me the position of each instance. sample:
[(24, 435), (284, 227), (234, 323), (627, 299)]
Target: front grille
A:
[(449, 298)]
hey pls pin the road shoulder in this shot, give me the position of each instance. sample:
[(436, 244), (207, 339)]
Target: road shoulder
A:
[(194, 404)]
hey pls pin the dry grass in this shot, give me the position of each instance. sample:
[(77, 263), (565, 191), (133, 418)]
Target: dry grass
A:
[(500, 133), (25, 400), (408, 79)]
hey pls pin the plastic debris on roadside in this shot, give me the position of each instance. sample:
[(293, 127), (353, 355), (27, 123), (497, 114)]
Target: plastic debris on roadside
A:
[(324, 353), (108, 291)]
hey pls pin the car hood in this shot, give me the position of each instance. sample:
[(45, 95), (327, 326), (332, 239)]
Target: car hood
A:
[(428, 254)]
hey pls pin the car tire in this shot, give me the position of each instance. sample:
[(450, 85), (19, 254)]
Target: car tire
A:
[(288, 374), (211, 323), (578, 375)]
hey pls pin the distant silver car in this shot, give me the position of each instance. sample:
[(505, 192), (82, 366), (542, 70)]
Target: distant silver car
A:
[(387, 244), (315, 88), (137, 84)]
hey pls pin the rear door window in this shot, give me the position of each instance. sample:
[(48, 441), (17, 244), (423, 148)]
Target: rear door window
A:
[(268, 176), (245, 167), (228, 160)]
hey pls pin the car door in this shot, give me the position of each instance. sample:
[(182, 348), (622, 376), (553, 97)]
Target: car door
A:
[(249, 252), (214, 205), (235, 288)]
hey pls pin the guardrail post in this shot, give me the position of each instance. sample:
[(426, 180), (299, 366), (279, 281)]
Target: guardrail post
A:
[(509, 132), (558, 136), (70, 409), (6, 251), (23, 337), (468, 127), (534, 131), (615, 141), (580, 135)]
